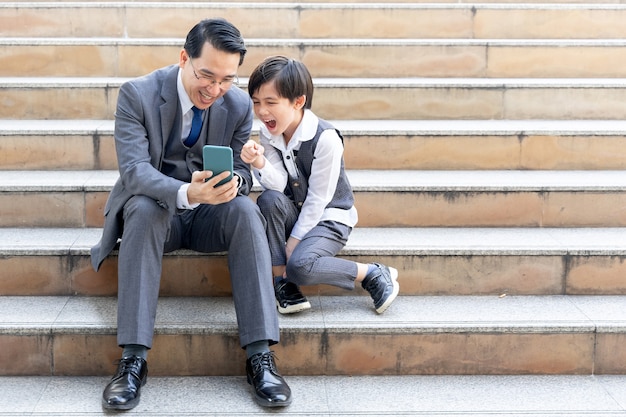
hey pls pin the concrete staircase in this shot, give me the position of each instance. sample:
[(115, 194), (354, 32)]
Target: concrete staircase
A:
[(486, 144)]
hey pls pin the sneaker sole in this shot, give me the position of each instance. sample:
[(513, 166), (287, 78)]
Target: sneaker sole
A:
[(396, 289), (296, 308)]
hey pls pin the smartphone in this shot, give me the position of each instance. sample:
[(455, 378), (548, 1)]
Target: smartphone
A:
[(218, 159)]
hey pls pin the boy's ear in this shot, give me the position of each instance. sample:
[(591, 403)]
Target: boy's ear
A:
[(300, 102)]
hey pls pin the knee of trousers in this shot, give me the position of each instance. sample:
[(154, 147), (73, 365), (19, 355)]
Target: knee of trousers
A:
[(145, 207), (299, 271), (242, 210), (243, 206), (271, 201), (142, 209)]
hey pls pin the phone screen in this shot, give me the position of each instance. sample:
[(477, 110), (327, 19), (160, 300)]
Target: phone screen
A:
[(218, 159)]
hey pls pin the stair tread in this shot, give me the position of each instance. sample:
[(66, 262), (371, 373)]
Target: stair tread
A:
[(354, 127), (360, 82), (256, 42), (377, 5), (351, 314), (445, 396), (361, 180), (462, 241)]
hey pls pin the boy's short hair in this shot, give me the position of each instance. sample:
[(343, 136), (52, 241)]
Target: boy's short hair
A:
[(291, 78)]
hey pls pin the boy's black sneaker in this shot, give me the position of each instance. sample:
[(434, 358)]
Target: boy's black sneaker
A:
[(382, 284), (289, 299)]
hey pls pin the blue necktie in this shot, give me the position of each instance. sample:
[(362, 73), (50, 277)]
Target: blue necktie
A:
[(196, 125)]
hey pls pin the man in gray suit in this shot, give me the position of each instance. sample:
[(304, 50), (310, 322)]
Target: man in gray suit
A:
[(164, 201)]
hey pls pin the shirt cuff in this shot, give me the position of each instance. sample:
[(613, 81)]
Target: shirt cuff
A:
[(239, 180), (181, 199)]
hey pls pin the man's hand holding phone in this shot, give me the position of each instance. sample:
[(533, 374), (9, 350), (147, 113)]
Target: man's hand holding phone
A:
[(204, 188)]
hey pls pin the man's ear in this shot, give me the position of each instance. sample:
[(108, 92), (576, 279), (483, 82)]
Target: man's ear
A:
[(300, 102), (183, 58)]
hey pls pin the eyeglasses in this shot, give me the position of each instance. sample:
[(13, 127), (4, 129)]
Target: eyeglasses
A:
[(211, 82)]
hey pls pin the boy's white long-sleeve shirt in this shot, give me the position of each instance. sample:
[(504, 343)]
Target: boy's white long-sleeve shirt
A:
[(324, 173)]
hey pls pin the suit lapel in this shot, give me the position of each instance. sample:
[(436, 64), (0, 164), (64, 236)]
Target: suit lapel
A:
[(169, 106), (217, 122)]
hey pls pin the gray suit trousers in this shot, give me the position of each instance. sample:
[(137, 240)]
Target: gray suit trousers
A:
[(314, 260), (149, 231)]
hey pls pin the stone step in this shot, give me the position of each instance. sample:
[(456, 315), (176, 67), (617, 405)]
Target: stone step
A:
[(136, 19), (485, 198), (369, 144), (436, 335), (328, 396), (491, 58), (356, 98), (431, 261), (347, 2)]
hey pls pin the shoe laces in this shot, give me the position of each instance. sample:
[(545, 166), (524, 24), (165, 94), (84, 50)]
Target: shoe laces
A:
[(264, 360), (372, 284), (287, 289), (130, 364)]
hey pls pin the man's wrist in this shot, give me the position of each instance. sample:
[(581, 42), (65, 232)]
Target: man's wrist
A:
[(182, 200)]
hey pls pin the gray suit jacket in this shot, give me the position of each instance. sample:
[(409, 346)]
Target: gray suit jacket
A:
[(144, 119)]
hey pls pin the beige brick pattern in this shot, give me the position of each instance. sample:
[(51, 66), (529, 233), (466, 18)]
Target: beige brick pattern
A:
[(610, 355), (34, 275), (574, 152), (46, 152), (463, 354), (432, 152), (549, 24), (596, 275), (25, 355)]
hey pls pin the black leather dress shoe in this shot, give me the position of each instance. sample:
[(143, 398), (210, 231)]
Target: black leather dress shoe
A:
[(270, 389), (122, 392)]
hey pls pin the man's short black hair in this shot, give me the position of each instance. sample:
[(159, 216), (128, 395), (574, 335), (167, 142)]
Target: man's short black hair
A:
[(220, 33)]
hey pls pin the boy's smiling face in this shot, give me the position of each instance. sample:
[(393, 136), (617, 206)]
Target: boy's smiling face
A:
[(278, 114)]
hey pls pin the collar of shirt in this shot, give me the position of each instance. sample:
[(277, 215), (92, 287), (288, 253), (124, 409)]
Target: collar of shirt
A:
[(306, 131), (183, 97)]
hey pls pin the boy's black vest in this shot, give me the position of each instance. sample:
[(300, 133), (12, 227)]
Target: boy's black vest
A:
[(297, 188)]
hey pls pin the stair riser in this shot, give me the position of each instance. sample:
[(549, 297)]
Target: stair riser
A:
[(485, 152), (491, 209), (296, 21), (188, 274), (360, 102), (401, 209), (329, 353), (342, 60), (311, 21), (594, 152), (57, 152)]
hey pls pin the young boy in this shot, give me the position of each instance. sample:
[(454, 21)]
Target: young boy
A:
[(306, 199)]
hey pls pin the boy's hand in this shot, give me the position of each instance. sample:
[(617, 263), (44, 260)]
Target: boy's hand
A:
[(252, 153), (292, 242)]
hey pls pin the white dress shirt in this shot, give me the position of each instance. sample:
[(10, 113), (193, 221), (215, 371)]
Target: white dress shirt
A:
[(325, 172), (182, 202)]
